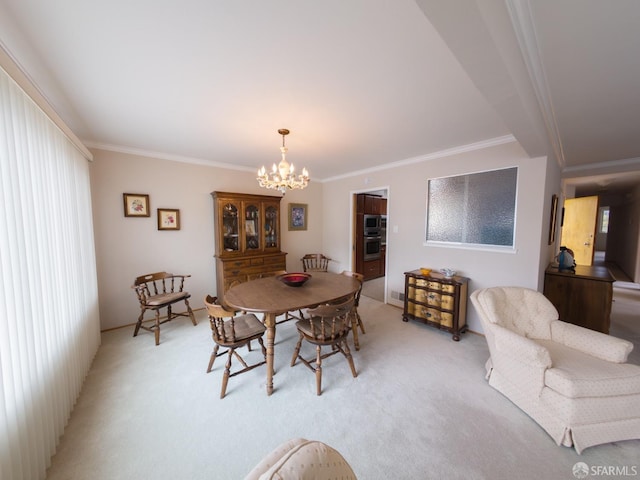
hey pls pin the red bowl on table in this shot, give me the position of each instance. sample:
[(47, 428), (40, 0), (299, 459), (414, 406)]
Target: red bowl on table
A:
[(294, 279)]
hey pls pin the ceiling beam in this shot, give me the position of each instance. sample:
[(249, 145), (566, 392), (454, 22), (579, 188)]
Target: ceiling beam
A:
[(481, 35)]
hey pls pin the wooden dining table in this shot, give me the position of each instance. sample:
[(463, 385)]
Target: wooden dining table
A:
[(272, 298)]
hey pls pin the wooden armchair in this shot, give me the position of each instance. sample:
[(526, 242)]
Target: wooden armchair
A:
[(232, 331), (315, 262), (328, 325), (156, 291)]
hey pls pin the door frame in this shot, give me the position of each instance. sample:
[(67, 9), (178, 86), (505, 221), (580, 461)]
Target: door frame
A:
[(352, 236)]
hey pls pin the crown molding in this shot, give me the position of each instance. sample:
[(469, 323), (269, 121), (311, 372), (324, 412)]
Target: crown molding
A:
[(613, 166), (210, 163), (430, 156), (166, 156), (523, 26)]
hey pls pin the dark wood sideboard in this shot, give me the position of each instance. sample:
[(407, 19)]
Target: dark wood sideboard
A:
[(582, 298)]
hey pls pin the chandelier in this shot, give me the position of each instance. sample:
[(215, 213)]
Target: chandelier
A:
[(282, 176)]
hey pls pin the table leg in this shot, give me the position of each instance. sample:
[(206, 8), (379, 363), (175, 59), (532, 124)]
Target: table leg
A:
[(270, 323)]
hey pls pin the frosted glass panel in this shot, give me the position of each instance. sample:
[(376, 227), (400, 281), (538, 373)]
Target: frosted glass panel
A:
[(478, 208)]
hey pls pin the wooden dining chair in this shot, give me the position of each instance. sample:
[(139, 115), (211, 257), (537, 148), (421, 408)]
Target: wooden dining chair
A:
[(327, 325), (160, 290), (315, 262), (232, 331), (356, 321)]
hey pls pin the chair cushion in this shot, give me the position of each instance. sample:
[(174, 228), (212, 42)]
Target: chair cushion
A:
[(575, 374), (166, 298), (246, 326)]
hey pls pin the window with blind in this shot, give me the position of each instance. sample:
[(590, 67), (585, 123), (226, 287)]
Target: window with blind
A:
[(49, 325)]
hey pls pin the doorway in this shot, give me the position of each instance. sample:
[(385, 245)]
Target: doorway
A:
[(579, 228), (369, 240)]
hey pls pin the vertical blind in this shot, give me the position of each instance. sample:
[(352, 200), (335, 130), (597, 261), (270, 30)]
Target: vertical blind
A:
[(49, 324)]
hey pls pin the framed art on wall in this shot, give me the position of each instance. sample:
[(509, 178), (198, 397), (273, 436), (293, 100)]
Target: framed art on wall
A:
[(136, 205), (298, 216), (168, 219), (554, 218)]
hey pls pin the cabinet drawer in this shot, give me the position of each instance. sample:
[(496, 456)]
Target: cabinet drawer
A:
[(448, 302), (426, 313), (277, 260), (372, 267), (434, 298), (448, 288), (256, 261), (446, 319), (421, 295), (233, 281), (231, 264)]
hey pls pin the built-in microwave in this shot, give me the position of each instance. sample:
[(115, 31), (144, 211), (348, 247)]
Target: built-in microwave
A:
[(371, 225)]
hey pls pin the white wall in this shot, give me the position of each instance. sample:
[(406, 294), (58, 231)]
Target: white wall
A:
[(406, 210), (127, 247)]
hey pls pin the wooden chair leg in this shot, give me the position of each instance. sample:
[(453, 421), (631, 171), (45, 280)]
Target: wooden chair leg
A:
[(264, 350), (225, 376), (156, 330), (296, 352), (354, 329), (347, 353), (138, 324), (191, 315), (318, 369), (214, 354), (360, 323)]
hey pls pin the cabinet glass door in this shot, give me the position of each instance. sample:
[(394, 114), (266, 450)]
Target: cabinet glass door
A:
[(252, 226), (271, 226), (230, 236)]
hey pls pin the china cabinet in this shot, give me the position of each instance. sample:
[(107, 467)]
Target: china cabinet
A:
[(247, 237), (436, 300)]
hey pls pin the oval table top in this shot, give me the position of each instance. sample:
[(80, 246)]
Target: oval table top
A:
[(271, 295)]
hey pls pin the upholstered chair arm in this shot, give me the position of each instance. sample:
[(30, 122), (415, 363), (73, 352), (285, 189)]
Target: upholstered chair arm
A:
[(591, 342), (521, 349)]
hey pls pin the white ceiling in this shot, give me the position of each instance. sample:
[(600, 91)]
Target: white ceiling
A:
[(360, 83)]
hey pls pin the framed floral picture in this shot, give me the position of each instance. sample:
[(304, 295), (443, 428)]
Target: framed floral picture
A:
[(298, 216), (136, 205), (168, 219)]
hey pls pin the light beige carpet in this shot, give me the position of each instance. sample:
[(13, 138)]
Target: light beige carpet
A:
[(420, 408)]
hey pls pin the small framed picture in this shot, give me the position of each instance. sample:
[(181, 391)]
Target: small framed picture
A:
[(168, 219), (136, 205), (298, 216)]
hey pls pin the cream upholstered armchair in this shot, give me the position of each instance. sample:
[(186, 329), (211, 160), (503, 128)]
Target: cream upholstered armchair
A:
[(301, 458), (573, 381)]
